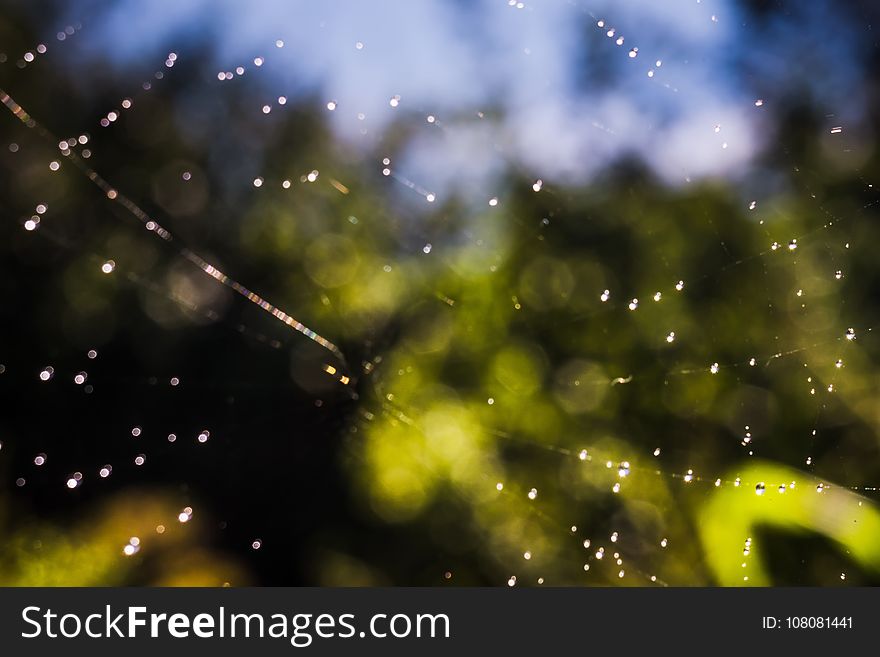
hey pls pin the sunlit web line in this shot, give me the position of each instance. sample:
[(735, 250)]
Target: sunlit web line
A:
[(198, 310), (111, 116), (19, 112), (240, 70), (406, 182), (587, 454), (752, 362), (31, 56), (590, 456)]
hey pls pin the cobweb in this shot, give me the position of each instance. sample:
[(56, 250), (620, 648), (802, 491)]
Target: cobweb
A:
[(564, 345)]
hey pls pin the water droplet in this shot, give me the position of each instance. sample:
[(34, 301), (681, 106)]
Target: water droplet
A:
[(760, 488), (623, 469)]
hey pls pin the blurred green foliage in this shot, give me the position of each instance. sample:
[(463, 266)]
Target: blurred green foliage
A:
[(486, 365)]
